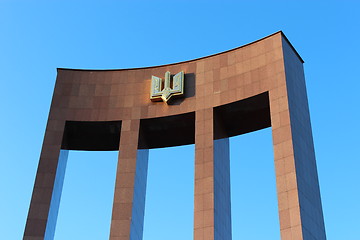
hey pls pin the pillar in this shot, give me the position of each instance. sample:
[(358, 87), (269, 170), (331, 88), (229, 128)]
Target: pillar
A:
[(45, 200), (130, 187), (212, 211), (299, 201)]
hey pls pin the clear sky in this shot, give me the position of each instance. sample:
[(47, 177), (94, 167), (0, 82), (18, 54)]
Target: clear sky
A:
[(36, 37)]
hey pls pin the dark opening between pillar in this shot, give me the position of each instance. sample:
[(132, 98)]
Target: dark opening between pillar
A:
[(242, 116), (168, 131), (91, 136)]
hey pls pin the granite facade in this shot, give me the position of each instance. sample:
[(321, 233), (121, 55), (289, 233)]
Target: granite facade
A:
[(245, 89)]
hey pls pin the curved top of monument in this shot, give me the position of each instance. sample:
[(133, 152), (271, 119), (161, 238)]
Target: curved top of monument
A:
[(192, 60), (244, 79), (216, 80)]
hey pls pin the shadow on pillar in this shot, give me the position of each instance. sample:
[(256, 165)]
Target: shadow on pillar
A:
[(222, 197), (56, 195), (138, 207)]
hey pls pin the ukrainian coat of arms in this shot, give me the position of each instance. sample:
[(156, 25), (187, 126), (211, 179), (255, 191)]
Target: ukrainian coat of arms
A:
[(165, 89)]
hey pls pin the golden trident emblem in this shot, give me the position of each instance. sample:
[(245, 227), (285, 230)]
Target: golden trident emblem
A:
[(158, 92)]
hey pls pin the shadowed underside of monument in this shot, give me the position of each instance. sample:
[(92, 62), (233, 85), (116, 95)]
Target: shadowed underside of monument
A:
[(91, 136), (249, 88)]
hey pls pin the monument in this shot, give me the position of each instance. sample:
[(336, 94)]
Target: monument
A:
[(202, 102)]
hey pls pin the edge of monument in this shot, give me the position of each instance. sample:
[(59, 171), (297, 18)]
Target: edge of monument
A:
[(196, 59)]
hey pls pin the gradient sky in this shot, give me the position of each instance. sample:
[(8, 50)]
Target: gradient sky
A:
[(36, 37)]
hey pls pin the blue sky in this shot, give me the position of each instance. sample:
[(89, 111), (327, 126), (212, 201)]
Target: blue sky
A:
[(36, 37)]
